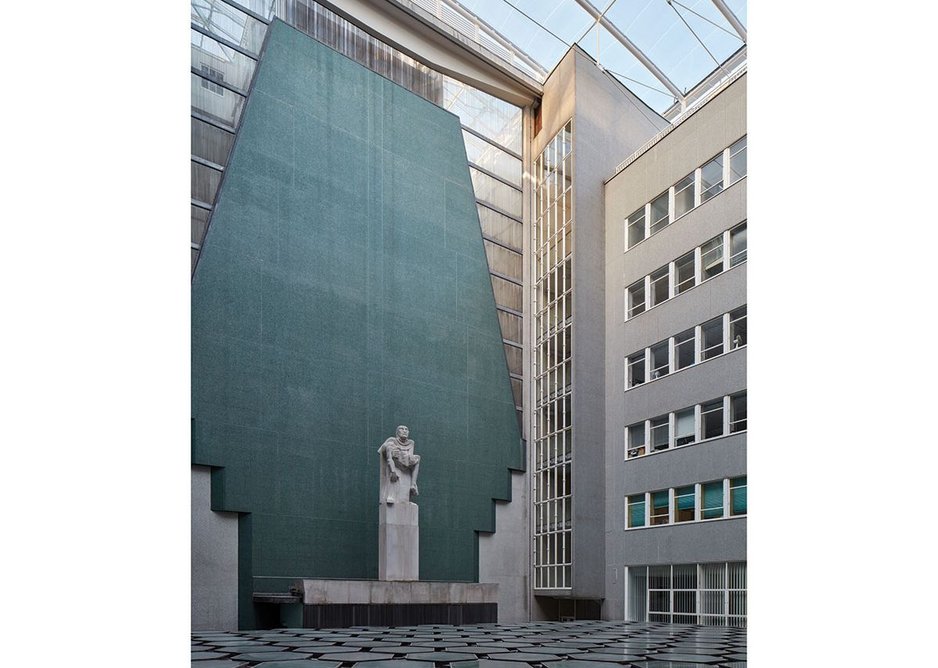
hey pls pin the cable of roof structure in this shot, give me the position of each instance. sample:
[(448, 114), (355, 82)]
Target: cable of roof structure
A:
[(731, 17)]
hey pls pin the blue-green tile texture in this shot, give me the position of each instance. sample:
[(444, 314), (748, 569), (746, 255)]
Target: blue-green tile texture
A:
[(342, 290)]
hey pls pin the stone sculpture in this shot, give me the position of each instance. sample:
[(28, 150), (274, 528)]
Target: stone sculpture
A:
[(399, 469)]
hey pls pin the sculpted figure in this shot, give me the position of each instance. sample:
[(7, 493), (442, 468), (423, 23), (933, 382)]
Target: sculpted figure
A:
[(399, 467)]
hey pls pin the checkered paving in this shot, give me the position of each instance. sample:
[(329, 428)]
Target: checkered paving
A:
[(581, 644)]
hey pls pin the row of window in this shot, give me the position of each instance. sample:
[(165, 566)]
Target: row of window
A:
[(717, 336), (692, 503), (689, 270), (711, 594), (712, 419), (723, 170)]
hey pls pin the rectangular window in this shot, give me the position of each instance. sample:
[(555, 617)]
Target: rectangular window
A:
[(738, 245), (684, 195), (210, 74), (738, 327), (738, 413), (711, 178), (637, 439), (637, 369), (659, 507), (659, 213), (684, 504), (684, 273), (737, 161), (684, 427), (659, 360), (712, 338), (636, 226), (660, 433), (636, 510), (711, 257), (711, 417), (636, 293), (711, 506), (659, 287), (684, 349), (738, 496)]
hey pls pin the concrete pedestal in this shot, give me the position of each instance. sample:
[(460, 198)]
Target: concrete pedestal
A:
[(398, 541)]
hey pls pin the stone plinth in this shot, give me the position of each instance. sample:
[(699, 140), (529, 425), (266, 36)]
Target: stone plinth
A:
[(327, 592), (398, 541)]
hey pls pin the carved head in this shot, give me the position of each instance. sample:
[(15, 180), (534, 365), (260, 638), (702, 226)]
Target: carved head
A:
[(403, 432)]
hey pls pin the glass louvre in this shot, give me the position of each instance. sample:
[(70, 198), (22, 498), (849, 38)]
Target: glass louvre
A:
[(637, 440), (711, 257), (660, 433), (513, 357), (219, 63), (204, 183), (496, 193), (503, 261), (659, 507), (738, 245), (659, 287), (738, 327), (199, 223), (685, 274), (219, 104), (226, 22), (636, 227), (636, 365), (501, 228), (711, 178), (738, 413), (711, 417), (491, 117), (489, 157), (636, 512), (510, 324), (711, 506), (507, 294), (552, 361), (684, 507), (684, 349), (210, 143), (738, 496), (684, 195), (659, 360), (684, 427), (636, 294), (712, 338), (737, 160), (659, 213)]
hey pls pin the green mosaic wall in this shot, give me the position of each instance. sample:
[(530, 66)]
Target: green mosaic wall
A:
[(343, 289)]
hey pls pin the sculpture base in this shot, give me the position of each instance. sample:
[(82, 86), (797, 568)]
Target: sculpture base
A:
[(398, 541), (343, 603)]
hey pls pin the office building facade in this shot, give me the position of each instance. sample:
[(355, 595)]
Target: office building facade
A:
[(394, 223)]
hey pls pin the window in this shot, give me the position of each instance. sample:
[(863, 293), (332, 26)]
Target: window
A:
[(738, 328), (711, 257), (711, 506), (684, 273), (659, 360), (684, 349), (738, 496), (738, 413), (711, 338), (636, 298), (210, 74), (660, 433), (738, 245), (637, 440), (711, 178), (659, 213), (684, 195), (637, 369), (684, 427), (659, 287), (659, 507), (636, 513), (737, 161), (711, 418), (636, 227), (684, 504)]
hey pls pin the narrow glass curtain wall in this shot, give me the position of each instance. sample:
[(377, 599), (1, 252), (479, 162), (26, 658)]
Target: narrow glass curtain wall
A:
[(709, 594), (226, 41), (553, 324)]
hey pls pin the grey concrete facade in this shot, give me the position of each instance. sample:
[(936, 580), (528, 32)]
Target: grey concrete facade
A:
[(214, 560), (715, 126), (504, 556)]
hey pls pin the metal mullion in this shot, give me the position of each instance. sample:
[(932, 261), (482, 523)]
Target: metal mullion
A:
[(211, 121), (498, 209), (503, 244), (223, 84), (225, 42), (491, 141), (249, 12), (495, 176), (207, 163)]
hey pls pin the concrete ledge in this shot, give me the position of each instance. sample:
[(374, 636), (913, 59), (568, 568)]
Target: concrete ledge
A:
[(328, 592)]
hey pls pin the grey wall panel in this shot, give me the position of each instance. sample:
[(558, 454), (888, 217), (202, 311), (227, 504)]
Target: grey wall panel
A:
[(703, 462), (699, 542), (504, 555), (214, 560)]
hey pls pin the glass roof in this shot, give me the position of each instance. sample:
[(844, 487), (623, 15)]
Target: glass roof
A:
[(685, 40)]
